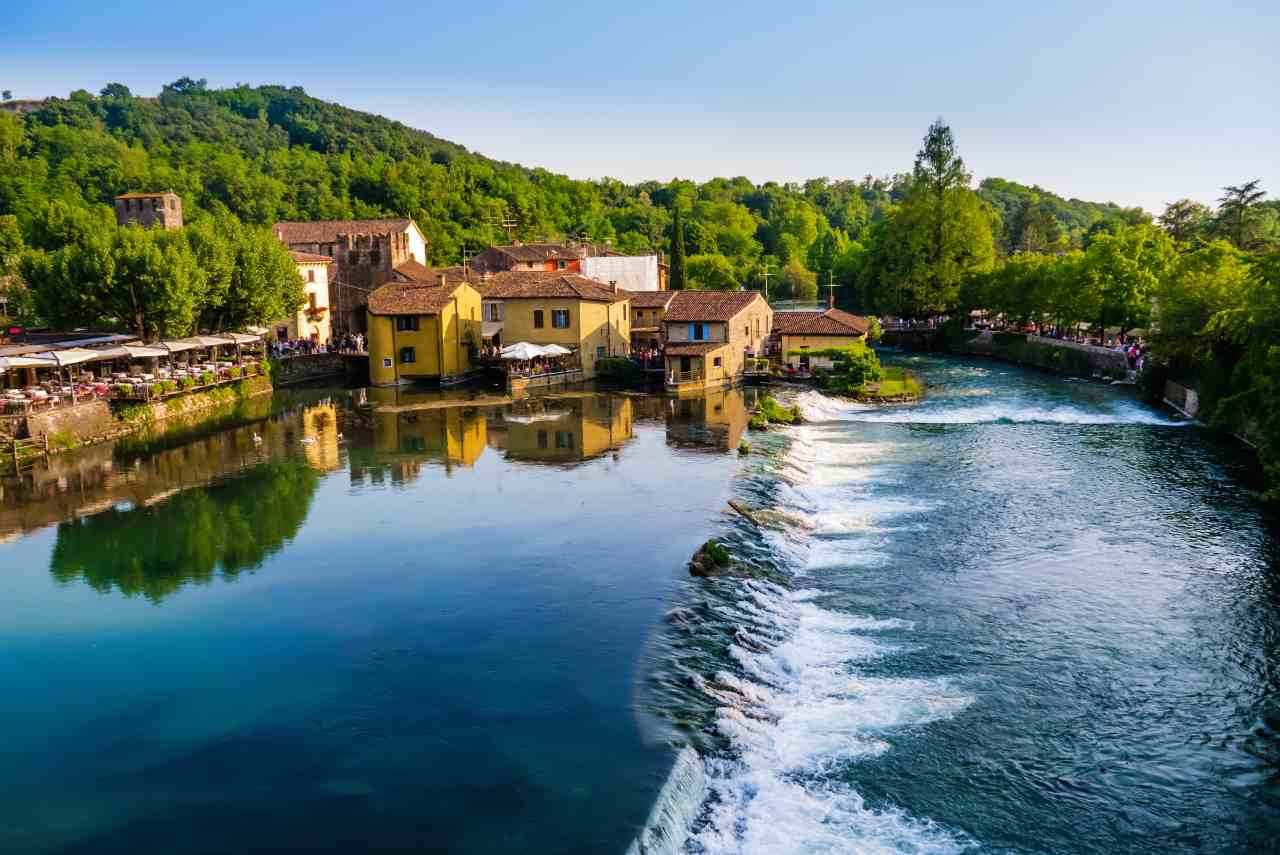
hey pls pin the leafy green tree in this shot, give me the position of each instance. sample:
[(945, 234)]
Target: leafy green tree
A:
[(1185, 220), (797, 282), (678, 274), (1041, 232), (712, 272), (6, 95), (1197, 286), (1235, 211), (1125, 268)]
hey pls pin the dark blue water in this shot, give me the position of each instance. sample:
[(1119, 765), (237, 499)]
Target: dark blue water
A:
[(423, 636)]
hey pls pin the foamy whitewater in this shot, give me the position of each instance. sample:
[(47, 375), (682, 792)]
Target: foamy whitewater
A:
[(795, 703)]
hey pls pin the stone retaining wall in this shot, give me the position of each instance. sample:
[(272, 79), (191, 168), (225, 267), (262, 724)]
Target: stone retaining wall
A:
[(84, 421), (316, 366), (1051, 354)]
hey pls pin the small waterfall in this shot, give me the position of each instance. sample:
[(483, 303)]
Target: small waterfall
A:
[(678, 803)]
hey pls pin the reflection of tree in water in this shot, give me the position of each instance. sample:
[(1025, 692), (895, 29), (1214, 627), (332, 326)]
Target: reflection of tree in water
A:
[(156, 550)]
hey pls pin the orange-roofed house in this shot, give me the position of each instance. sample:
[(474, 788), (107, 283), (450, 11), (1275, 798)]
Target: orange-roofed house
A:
[(711, 334), (424, 326), (798, 333)]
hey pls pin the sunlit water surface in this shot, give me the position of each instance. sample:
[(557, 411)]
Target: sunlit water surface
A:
[(1025, 615)]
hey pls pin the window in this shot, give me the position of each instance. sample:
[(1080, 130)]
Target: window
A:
[(600, 351), (173, 204), (386, 362), (353, 257), (537, 319), (560, 319), (311, 276), (406, 323), (697, 332), (624, 311), (564, 439), (311, 301), (408, 355), (375, 256), (561, 265), (716, 362), (542, 439)]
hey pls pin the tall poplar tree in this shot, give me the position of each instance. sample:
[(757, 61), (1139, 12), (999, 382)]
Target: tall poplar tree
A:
[(1235, 208), (679, 268)]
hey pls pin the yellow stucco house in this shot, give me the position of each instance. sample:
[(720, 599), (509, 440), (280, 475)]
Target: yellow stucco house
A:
[(794, 333), (311, 321), (648, 316), (426, 329), (710, 335), (566, 430), (552, 307)]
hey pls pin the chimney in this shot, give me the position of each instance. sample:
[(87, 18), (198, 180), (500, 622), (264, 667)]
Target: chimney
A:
[(441, 278)]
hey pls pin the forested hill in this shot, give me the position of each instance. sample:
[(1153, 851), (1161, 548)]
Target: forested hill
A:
[(270, 153)]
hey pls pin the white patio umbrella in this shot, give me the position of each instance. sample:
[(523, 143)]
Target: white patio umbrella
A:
[(555, 350), (522, 350)]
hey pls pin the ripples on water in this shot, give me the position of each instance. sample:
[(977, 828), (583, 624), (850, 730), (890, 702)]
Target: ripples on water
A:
[(1025, 615)]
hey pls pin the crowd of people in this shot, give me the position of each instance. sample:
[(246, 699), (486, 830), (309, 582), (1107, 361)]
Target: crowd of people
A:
[(347, 343)]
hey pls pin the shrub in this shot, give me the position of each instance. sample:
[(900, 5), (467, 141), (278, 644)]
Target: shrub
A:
[(187, 382), (167, 386), (776, 413), (156, 389), (758, 422), (124, 389), (744, 447), (206, 378), (717, 553), (63, 440)]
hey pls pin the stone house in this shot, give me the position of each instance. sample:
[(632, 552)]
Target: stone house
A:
[(364, 252), (711, 334), (794, 333), (149, 209)]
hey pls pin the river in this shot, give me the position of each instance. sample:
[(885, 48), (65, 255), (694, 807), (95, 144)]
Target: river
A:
[(1025, 615)]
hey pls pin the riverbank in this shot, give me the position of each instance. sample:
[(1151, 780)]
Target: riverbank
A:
[(96, 422)]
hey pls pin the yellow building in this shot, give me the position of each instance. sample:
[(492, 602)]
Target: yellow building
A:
[(710, 335), (710, 418), (798, 332), (454, 436), (550, 307), (311, 320), (648, 315), (423, 330), (564, 430)]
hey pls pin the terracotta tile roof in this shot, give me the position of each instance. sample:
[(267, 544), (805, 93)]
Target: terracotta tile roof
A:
[(649, 299), (543, 284), (692, 348), (415, 271), (327, 231), (709, 305), (410, 298), (830, 322), (309, 257)]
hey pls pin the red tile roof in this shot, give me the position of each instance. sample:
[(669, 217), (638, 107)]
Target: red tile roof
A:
[(327, 231), (545, 284), (539, 251), (415, 271), (410, 298), (649, 299), (709, 305), (309, 257), (692, 348), (829, 322)]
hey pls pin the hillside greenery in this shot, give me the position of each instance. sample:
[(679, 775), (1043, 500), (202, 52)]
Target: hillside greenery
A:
[(250, 156)]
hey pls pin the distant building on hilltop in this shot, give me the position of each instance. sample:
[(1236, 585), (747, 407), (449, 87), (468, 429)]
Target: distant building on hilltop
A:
[(149, 209), (365, 253)]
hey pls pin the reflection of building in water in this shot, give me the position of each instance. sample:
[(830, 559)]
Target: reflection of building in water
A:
[(563, 430), (715, 418), (404, 441), (320, 436)]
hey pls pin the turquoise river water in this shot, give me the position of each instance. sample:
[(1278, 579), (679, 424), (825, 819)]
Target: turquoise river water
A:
[(1026, 615)]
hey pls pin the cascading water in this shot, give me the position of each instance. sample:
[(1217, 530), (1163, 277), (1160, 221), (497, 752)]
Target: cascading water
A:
[(794, 684)]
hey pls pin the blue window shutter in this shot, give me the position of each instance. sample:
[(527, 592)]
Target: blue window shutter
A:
[(690, 332)]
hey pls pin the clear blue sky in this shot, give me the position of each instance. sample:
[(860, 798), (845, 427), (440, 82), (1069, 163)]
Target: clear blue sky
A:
[(1134, 102)]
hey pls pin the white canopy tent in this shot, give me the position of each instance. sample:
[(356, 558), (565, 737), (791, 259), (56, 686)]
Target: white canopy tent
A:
[(555, 350), (15, 362), (145, 351), (77, 355), (522, 350)]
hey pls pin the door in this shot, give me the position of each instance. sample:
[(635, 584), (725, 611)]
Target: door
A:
[(685, 364), (804, 362)]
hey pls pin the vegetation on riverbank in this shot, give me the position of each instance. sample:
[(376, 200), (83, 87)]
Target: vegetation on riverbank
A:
[(768, 411)]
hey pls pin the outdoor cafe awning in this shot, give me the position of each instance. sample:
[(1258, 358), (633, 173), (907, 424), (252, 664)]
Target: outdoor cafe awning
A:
[(77, 355), (8, 362), (242, 338), (179, 345), (142, 352), (522, 350)]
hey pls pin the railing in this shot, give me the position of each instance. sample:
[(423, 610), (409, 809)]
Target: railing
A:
[(689, 376), (159, 390), (54, 400)]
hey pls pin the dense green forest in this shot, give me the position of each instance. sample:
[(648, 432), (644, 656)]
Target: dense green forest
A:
[(264, 154)]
